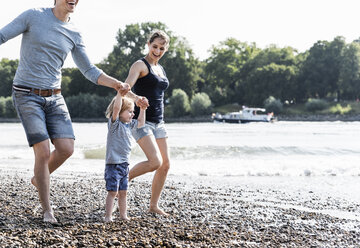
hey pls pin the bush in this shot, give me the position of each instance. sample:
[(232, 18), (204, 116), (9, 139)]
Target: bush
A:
[(87, 105), (218, 95), (338, 109), (7, 108), (2, 106), (179, 102), (273, 105), (200, 104), (313, 105)]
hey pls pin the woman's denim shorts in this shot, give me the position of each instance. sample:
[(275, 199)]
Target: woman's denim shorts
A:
[(157, 129), (43, 117)]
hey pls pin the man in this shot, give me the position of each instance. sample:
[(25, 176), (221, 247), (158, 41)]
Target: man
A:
[(48, 37)]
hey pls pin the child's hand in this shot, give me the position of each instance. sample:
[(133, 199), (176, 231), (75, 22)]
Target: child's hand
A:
[(143, 108), (142, 102)]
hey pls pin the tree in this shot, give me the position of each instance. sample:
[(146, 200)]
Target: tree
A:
[(179, 62), (222, 71), (349, 78), (272, 72), (321, 69), (7, 74)]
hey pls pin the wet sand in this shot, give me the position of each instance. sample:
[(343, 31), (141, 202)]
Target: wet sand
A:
[(204, 212)]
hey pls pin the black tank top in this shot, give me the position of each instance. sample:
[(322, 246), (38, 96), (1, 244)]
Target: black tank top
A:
[(152, 87)]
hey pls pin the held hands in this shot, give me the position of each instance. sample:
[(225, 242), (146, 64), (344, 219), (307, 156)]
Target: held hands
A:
[(142, 102), (123, 88)]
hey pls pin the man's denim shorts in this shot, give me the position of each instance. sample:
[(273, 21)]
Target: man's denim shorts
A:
[(157, 129), (43, 117), (117, 176)]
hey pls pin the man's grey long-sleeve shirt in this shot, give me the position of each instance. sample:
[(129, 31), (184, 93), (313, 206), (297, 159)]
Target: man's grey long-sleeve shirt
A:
[(45, 44)]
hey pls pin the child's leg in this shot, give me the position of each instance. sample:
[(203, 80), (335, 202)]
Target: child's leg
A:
[(122, 204), (109, 205)]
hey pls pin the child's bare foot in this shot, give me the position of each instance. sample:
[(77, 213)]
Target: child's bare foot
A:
[(49, 217), (158, 210), (33, 182), (108, 219), (124, 218)]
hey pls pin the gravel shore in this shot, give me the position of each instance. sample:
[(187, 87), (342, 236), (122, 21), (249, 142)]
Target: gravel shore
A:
[(201, 215)]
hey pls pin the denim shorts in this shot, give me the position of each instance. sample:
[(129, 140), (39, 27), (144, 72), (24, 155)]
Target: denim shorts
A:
[(43, 117), (157, 129), (116, 176)]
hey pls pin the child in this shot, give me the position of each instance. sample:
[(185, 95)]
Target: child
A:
[(118, 148)]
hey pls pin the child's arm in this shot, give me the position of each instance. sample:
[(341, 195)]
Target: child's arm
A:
[(117, 106), (141, 118)]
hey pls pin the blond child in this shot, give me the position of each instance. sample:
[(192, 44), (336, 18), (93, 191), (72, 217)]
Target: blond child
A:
[(120, 113)]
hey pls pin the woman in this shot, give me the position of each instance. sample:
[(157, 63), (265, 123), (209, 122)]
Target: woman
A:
[(48, 37), (148, 78)]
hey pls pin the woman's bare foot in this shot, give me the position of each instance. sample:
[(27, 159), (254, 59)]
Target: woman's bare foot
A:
[(33, 182), (49, 217), (158, 210)]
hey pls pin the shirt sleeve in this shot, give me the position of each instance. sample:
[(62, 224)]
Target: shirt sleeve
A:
[(113, 125), (82, 61), (133, 123), (18, 26)]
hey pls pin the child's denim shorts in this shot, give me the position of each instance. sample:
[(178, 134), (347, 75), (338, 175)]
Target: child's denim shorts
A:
[(116, 176), (157, 129), (43, 117)]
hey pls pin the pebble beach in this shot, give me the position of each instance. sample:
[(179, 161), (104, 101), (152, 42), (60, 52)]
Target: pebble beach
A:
[(203, 213)]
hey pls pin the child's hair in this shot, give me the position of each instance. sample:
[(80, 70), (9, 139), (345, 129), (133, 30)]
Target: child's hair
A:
[(159, 34), (126, 104)]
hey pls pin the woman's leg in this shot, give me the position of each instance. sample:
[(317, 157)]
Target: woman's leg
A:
[(160, 177), (154, 160)]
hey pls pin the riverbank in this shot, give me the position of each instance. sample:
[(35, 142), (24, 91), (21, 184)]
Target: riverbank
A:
[(204, 212)]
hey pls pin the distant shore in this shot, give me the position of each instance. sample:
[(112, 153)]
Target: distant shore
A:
[(189, 119)]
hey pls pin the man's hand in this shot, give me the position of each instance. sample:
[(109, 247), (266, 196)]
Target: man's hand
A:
[(123, 88)]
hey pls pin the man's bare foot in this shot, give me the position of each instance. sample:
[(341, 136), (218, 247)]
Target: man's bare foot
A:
[(108, 219), (158, 210), (49, 217), (33, 182)]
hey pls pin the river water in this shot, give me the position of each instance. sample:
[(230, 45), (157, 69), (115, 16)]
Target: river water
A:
[(219, 149), (252, 153)]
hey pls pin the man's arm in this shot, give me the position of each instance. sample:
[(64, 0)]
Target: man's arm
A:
[(111, 82)]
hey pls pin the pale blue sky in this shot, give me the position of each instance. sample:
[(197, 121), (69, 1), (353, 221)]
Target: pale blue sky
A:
[(296, 23)]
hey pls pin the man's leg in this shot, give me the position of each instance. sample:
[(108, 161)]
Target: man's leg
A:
[(64, 148), (42, 178)]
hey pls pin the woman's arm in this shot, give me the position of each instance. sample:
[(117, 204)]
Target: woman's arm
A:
[(136, 70)]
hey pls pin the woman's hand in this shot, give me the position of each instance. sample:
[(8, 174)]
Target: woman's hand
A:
[(142, 102)]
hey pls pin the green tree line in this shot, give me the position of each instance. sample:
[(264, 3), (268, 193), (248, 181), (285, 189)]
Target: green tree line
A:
[(235, 72)]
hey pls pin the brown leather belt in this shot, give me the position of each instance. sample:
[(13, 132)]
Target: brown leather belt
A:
[(39, 92)]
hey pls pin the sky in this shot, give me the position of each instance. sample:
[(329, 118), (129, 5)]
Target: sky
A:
[(203, 23)]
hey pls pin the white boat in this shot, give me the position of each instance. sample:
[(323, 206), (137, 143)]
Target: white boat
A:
[(245, 115)]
